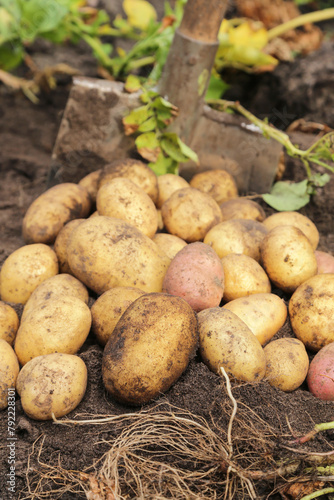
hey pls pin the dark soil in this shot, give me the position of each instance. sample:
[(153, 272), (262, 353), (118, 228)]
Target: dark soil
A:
[(268, 420)]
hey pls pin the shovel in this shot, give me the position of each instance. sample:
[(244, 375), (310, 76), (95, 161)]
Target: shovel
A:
[(91, 131)]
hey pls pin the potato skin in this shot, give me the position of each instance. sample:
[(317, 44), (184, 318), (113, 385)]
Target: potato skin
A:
[(218, 183), (48, 213), (325, 262), (311, 311), (169, 243), (320, 377), (295, 219), (52, 384), (91, 183), (9, 369), (149, 348), (196, 274), (60, 245), (168, 183), (242, 208), (9, 322)]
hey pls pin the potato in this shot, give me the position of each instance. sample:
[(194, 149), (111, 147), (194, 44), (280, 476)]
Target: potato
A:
[(295, 219), (226, 341), (196, 274), (263, 313), (52, 385), (325, 262), (58, 324), (52, 209), (189, 214), (60, 245), (217, 183), (123, 199), (167, 184), (288, 257), (104, 252), (25, 269), (91, 183), (242, 208), (243, 276), (109, 307), (149, 348), (9, 369), (237, 236), (311, 311), (135, 170), (287, 363), (9, 322), (320, 376), (169, 243)]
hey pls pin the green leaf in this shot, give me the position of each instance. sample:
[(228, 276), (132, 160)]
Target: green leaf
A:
[(321, 180), (164, 165), (148, 146), (286, 196), (132, 83), (11, 54), (177, 149), (135, 118), (38, 16), (217, 87), (148, 125)]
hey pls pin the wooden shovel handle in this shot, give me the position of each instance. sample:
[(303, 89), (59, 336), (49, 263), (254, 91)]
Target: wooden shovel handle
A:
[(202, 19)]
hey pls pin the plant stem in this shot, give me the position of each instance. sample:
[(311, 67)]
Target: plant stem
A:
[(310, 17), (318, 493)]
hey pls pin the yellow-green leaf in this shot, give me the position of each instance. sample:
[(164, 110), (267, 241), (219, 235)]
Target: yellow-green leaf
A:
[(148, 146), (139, 12), (132, 83)]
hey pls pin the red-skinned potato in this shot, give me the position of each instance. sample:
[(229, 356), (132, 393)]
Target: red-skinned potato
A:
[(196, 274), (320, 377), (325, 262)]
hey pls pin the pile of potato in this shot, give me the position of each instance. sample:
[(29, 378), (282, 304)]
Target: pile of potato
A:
[(158, 269)]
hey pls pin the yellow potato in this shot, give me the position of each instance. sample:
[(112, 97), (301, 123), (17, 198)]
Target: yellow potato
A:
[(104, 252), (242, 208), (60, 324), (91, 183), (311, 311), (52, 209), (25, 269), (123, 199), (217, 183), (109, 307), (263, 313), (294, 219), (52, 385), (9, 322), (168, 183), (287, 363), (226, 341), (169, 243), (189, 214), (60, 245), (9, 369)]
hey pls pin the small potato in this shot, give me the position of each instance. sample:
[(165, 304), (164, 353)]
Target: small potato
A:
[(295, 219), (52, 385), (242, 208), (288, 257), (196, 274), (168, 183), (189, 214), (9, 369), (91, 183), (149, 348), (123, 199), (320, 377), (311, 311), (263, 313), (217, 183), (109, 307), (237, 236), (25, 269), (226, 341), (243, 276), (135, 170), (325, 262), (169, 243), (60, 324), (287, 363), (9, 322), (52, 209), (60, 245)]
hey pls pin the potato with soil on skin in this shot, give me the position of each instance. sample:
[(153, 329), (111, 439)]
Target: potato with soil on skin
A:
[(311, 311), (9, 322), (104, 252), (169, 243), (9, 370), (242, 208), (109, 307), (295, 219), (168, 183), (123, 199), (320, 376), (91, 183), (149, 348), (263, 313), (52, 385), (287, 363), (58, 324), (25, 269), (189, 214), (325, 262), (226, 341), (243, 276), (196, 274), (48, 213), (135, 170), (237, 236), (217, 183), (60, 245)]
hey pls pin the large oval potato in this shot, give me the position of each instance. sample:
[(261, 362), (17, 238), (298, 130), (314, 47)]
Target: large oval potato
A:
[(91, 183), (242, 208), (104, 252), (9, 369), (226, 341), (52, 209), (9, 322), (25, 269), (52, 385), (217, 183), (169, 243), (320, 376), (295, 219), (168, 183), (311, 311), (60, 244), (149, 348)]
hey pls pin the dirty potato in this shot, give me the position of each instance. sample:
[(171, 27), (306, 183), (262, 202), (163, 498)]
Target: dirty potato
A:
[(169, 243), (91, 183), (60, 245), (242, 208), (9, 322), (295, 219), (9, 369), (168, 183), (217, 183)]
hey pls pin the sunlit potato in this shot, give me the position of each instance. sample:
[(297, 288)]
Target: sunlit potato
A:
[(60, 244), (168, 183), (169, 243), (9, 370), (242, 208), (219, 184), (91, 183), (294, 219), (9, 322)]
